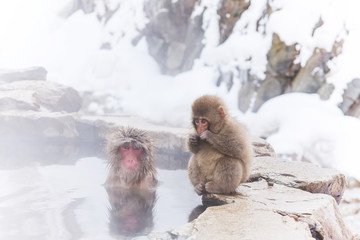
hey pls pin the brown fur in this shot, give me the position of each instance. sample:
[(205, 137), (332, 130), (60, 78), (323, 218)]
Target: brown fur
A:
[(222, 155), (145, 174)]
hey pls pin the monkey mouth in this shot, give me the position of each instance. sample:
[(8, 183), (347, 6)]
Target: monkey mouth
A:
[(131, 169)]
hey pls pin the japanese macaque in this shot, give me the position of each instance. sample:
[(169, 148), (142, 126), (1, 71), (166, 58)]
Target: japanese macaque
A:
[(131, 211), (130, 158), (221, 147)]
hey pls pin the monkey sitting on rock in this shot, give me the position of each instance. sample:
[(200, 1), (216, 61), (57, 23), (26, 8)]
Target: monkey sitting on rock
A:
[(221, 147), (130, 159)]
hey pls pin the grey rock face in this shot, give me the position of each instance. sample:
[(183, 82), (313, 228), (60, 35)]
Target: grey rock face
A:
[(351, 99), (230, 12), (173, 36)]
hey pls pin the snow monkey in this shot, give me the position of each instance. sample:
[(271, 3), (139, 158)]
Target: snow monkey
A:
[(130, 159), (221, 147)]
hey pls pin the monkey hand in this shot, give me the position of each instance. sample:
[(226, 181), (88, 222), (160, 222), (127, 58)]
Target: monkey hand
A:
[(194, 140), (205, 135), (200, 189)]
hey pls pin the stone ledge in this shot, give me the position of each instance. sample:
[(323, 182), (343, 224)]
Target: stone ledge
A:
[(265, 211), (301, 175), (282, 197)]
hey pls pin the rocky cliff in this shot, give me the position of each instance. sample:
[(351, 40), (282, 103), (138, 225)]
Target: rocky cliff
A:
[(177, 32)]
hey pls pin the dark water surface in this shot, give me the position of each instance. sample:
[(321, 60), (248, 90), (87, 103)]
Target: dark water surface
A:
[(56, 201)]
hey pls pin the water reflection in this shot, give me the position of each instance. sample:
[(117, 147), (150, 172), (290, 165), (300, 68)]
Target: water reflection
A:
[(131, 211), (45, 200)]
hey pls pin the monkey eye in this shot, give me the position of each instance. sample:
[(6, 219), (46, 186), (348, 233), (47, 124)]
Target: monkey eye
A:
[(203, 121), (196, 120), (136, 146), (126, 146)]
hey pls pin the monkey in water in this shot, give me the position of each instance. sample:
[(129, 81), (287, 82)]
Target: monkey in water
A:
[(221, 147), (130, 159)]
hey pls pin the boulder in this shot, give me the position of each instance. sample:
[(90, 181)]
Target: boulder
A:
[(283, 210), (174, 35), (319, 212), (39, 95), (262, 148), (280, 70), (301, 175), (351, 99), (313, 75), (32, 73), (247, 90), (229, 13), (241, 220)]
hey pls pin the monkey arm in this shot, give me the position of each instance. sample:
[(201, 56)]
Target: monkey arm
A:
[(223, 143)]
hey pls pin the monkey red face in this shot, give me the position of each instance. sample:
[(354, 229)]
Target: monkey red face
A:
[(201, 124), (130, 156)]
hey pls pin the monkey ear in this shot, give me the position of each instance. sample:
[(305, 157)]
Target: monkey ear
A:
[(221, 111)]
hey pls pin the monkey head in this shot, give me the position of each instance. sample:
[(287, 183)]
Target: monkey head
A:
[(208, 113), (128, 148)]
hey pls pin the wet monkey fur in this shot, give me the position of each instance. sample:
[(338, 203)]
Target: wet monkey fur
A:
[(221, 147), (130, 159)]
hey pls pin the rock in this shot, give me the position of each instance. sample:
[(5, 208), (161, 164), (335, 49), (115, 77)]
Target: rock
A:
[(247, 91), (281, 59), (173, 35), (350, 209), (283, 75), (351, 99), (319, 212), (230, 12), (39, 96), (325, 91), (87, 6), (269, 88), (262, 148), (33, 73), (301, 175), (242, 220), (312, 76), (289, 200), (280, 70), (226, 76), (33, 125)]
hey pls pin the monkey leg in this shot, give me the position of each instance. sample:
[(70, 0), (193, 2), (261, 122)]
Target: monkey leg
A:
[(227, 176), (195, 176)]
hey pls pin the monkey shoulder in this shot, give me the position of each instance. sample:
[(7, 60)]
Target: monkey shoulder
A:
[(236, 129)]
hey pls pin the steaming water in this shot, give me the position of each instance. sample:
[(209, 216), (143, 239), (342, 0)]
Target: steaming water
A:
[(69, 202)]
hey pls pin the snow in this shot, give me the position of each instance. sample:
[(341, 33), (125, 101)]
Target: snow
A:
[(303, 125), (36, 33)]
